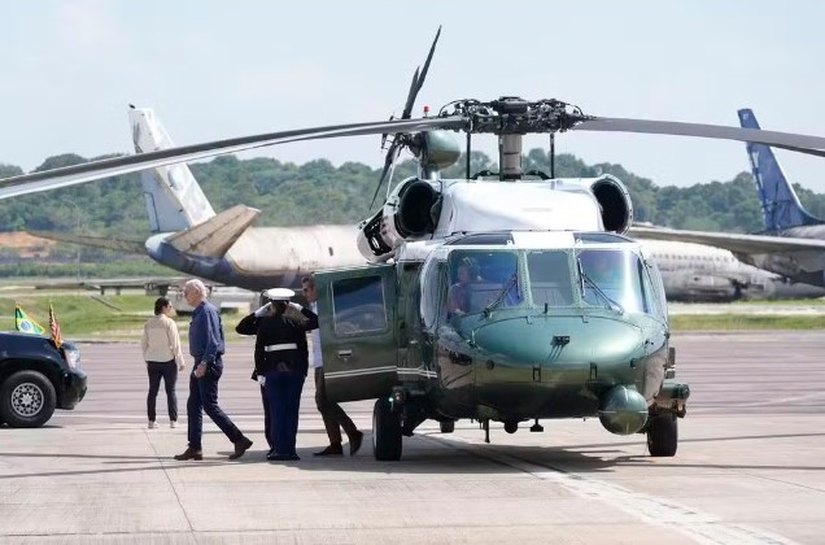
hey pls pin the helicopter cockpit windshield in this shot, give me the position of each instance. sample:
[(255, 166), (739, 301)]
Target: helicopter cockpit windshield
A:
[(614, 278), (584, 277)]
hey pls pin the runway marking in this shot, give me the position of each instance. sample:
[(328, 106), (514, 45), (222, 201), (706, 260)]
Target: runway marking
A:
[(702, 527)]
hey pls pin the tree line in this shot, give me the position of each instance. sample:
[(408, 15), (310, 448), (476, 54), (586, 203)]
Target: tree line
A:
[(290, 194)]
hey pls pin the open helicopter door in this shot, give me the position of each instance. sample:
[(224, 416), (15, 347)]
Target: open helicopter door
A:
[(356, 315)]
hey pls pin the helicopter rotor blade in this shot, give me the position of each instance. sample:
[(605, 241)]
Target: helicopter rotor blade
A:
[(392, 155), (418, 80), (95, 170), (811, 145)]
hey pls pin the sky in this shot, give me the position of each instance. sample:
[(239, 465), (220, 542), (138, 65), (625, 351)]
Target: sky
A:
[(215, 69)]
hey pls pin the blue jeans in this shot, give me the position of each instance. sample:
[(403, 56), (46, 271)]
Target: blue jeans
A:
[(203, 395), (283, 391)]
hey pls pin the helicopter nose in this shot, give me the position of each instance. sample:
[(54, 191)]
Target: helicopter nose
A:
[(559, 340)]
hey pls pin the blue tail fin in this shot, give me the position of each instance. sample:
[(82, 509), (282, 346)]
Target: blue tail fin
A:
[(781, 208)]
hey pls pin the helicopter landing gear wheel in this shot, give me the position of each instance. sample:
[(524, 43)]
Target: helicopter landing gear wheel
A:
[(662, 434), (386, 432), (447, 426)]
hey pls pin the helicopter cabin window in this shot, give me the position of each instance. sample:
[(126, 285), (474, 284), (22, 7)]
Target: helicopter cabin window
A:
[(613, 279), (358, 306), (550, 280), (479, 279)]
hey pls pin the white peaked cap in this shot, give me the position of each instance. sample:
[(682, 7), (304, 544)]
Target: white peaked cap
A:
[(279, 294)]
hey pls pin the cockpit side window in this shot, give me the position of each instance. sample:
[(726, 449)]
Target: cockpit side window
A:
[(550, 280)]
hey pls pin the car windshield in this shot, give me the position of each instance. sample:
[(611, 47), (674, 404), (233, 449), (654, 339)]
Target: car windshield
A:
[(614, 279)]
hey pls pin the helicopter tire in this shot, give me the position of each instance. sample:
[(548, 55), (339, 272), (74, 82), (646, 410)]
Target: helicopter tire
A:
[(662, 435), (447, 426), (386, 432)]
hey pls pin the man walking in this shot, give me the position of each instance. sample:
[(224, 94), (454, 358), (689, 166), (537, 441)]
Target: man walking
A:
[(333, 415), (206, 345)]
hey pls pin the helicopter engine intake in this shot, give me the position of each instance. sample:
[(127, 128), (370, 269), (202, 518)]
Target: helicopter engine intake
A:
[(614, 200), (411, 212)]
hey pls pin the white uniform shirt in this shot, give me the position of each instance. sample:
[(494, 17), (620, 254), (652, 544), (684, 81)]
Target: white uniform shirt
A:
[(317, 356)]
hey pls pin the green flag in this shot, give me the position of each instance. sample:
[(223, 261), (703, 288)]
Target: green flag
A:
[(24, 324)]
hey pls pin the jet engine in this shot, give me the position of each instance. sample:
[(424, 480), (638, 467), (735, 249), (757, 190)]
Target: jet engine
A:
[(410, 213)]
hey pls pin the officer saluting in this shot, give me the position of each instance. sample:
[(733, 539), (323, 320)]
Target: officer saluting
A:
[(281, 359)]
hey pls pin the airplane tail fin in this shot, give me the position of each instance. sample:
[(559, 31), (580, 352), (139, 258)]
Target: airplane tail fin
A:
[(174, 200), (215, 236), (781, 208)]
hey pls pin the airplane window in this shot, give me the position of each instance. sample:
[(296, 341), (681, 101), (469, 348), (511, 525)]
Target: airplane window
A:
[(550, 281), (358, 306)]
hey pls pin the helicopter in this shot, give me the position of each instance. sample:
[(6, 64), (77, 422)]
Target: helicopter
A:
[(500, 297)]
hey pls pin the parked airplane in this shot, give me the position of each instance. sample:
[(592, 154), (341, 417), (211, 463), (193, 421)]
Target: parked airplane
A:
[(793, 244), (190, 237), (700, 273)]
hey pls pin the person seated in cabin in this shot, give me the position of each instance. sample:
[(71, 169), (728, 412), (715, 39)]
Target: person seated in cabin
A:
[(459, 295)]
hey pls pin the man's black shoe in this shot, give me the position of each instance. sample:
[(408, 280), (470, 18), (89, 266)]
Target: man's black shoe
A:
[(332, 450), (355, 442), (190, 454), (241, 446)]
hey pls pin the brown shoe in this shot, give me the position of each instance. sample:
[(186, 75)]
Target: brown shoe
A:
[(355, 442), (240, 447), (190, 454), (332, 450)]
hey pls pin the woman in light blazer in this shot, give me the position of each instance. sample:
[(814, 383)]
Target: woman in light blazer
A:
[(163, 356)]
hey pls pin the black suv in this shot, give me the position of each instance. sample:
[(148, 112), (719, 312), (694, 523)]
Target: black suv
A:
[(36, 378)]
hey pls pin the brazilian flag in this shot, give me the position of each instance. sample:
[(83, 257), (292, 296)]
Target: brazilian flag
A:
[(24, 324)]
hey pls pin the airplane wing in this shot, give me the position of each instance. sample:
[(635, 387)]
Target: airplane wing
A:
[(120, 245), (736, 243)]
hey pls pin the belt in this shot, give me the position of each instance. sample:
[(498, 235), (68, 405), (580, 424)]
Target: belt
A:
[(282, 346)]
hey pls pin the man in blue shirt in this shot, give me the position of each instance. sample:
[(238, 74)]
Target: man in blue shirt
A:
[(206, 345)]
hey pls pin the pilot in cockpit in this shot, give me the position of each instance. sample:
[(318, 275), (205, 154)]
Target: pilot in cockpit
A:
[(460, 293)]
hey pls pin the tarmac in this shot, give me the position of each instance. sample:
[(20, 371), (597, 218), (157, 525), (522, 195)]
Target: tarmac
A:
[(750, 467)]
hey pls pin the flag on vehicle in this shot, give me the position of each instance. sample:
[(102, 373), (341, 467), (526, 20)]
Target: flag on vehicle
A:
[(24, 324), (57, 338)]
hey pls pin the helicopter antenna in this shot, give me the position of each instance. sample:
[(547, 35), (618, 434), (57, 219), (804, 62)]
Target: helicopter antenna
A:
[(405, 139)]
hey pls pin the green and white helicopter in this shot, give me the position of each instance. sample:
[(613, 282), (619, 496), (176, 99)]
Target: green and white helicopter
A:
[(511, 299)]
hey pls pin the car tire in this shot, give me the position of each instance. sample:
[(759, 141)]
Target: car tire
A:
[(27, 400)]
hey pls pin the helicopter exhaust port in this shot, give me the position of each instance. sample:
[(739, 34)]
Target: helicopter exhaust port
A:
[(623, 410)]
